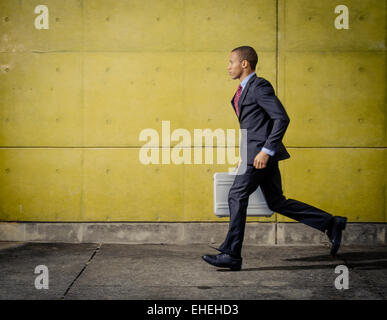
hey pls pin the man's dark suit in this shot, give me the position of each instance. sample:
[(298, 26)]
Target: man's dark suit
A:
[(264, 117)]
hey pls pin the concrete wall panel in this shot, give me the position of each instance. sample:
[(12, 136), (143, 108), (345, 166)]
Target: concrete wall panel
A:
[(342, 181), (306, 25), (337, 98), (41, 99), (18, 32), (41, 184)]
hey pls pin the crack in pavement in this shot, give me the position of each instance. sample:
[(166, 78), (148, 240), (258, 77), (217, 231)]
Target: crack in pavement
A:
[(83, 269)]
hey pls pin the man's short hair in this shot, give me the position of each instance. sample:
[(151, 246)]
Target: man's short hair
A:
[(249, 54)]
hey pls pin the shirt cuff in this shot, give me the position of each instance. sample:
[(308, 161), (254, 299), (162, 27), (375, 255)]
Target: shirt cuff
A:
[(268, 151)]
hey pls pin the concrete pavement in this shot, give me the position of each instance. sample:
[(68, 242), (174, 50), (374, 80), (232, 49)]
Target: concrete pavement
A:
[(151, 271)]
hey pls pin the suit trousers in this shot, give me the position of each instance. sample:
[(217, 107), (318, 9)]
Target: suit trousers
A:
[(269, 180)]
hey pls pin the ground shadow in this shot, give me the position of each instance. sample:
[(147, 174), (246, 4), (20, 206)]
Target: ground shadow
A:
[(374, 260)]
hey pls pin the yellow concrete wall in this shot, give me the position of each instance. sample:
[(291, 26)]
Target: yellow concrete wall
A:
[(74, 98), (333, 85)]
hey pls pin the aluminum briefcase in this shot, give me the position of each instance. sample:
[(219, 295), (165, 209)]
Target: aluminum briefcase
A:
[(223, 181)]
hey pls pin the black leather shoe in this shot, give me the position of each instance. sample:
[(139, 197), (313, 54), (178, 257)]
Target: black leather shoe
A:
[(334, 233), (224, 260)]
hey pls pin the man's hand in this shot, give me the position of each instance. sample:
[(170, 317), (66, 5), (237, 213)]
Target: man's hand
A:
[(261, 160)]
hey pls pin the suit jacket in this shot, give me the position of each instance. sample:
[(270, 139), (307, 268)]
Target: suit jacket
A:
[(264, 117)]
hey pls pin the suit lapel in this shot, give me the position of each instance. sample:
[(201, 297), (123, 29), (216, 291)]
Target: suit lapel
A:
[(242, 96), (244, 92), (232, 102)]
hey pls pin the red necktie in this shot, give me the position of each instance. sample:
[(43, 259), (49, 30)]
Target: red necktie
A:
[(236, 99)]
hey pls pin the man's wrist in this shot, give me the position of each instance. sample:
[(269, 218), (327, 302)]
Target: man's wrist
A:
[(268, 151)]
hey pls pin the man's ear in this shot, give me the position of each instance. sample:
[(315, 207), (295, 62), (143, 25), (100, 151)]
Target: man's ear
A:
[(245, 64)]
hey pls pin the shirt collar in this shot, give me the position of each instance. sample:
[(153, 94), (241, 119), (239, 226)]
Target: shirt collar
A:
[(244, 82)]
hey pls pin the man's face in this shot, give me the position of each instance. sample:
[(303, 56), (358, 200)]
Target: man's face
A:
[(235, 68)]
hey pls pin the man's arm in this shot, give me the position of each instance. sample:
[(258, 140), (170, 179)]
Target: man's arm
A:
[(267, 99)]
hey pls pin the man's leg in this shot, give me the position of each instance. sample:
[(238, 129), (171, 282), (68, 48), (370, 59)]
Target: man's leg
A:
[(244, 185), (272, 189)]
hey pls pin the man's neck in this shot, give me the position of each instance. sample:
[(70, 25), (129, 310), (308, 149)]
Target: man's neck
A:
[(244, 75)]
